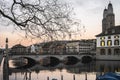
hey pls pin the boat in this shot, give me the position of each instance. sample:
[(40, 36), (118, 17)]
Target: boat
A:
[(109, 76)]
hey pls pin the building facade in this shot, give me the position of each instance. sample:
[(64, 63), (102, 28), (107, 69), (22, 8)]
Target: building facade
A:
[(87, 46), (108, 42), (68, 47), (53, 47), (18, 49), (72, 47)]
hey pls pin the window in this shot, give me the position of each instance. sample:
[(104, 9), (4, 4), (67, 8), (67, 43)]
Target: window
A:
[(110, 23), (109, 51), (109, 37), (116, 37), (106, 32), (113, 31), (116, 51), (102, 43), (109, 42), (116, 42), (102, 38), (102, 51)]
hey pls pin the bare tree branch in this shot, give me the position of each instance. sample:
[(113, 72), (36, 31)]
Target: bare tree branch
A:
[(40, 18)]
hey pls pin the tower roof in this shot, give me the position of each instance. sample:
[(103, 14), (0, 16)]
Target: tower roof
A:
[(105, 13), (110, 8), (110, 4), (105, 9), (111, 31)]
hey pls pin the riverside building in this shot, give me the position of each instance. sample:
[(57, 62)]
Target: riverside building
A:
[(108, 42)]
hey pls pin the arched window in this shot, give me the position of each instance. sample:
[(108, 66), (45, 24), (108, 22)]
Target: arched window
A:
[(109, 52), (116, 51), (116, 37), (102, 43), (116, 42), (109, 42), (102, 51)]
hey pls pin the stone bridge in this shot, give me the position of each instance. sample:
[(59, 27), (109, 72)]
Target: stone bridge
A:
[(38, 57)]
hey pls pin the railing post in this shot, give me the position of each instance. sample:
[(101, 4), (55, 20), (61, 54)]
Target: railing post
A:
[(47, 78), (85, 75), (73, 77), (61, 77)]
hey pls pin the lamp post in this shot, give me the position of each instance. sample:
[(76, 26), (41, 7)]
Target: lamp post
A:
[(5, 64), (6, 47)]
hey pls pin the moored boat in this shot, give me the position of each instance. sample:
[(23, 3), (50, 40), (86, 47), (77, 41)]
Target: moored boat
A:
[(109, 76)]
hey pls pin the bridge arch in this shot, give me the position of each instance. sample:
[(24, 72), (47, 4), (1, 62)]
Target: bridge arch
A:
[(30, 62), (70, 60), (86, 59), (50, 61)]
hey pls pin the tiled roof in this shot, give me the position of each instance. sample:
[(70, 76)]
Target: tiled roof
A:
[(18, 46), (111, 31)]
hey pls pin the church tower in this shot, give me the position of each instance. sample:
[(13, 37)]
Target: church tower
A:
[(108, 42), (108, 18)]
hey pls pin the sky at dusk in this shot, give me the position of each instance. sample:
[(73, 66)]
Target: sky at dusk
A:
[(89, 12)]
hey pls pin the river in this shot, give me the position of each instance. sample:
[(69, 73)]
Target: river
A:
[(78, 71)]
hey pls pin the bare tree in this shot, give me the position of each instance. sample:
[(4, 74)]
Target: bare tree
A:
[(39, 18)]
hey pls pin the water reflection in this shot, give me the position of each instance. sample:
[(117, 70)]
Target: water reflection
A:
[(5, 69), (78, 71), (107, 66)]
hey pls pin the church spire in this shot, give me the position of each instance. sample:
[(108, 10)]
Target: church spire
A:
[(109, 1), (108, 18), (105, 13), (110, 8)]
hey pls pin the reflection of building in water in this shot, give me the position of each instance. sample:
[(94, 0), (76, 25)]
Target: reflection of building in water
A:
[(97, 68), (107, 66), (25, 74), (108, 42), (82, 68)]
